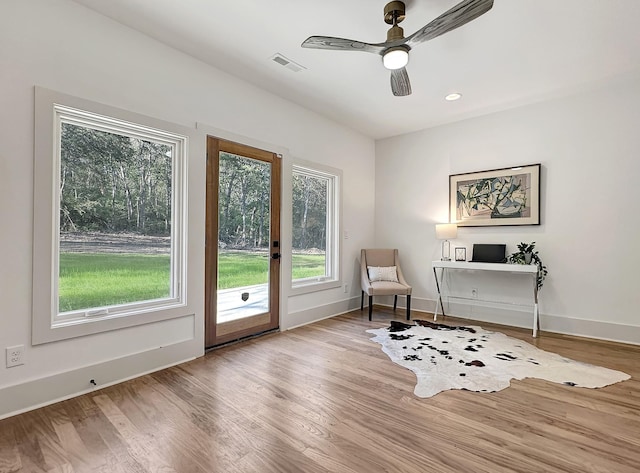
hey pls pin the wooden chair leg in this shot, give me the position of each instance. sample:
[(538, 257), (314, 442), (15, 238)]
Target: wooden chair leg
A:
[(362, 301), (370, 306), (395, 302), (409, 307)]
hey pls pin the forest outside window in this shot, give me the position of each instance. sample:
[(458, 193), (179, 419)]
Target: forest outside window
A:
[(118, 246), (316, 228)]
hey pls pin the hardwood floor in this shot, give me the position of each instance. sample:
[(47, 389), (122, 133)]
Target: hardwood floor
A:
[(324, 398)]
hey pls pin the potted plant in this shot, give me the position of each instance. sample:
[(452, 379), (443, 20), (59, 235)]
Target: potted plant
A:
[(527, 254)]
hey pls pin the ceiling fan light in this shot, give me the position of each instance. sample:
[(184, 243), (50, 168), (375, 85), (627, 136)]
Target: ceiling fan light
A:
[(395, 58)]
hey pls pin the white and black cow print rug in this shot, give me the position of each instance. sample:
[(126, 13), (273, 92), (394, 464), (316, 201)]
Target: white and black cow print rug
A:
[(446, 357)]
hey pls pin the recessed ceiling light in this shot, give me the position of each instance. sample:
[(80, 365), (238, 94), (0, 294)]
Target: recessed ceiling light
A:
[(452, 97)]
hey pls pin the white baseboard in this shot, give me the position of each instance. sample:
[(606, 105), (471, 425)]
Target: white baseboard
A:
[(321, 312), (41, 392), (523, 317), (591, 329)]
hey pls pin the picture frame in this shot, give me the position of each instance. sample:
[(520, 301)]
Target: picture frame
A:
[(461, 253), (498, 197)]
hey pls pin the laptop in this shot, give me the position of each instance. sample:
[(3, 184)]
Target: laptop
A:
[(489, 253)]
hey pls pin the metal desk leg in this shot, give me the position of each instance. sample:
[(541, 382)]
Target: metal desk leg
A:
[(435, 313), (536, 315)]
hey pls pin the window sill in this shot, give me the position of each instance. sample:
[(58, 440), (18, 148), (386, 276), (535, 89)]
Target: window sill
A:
[(306, 287)]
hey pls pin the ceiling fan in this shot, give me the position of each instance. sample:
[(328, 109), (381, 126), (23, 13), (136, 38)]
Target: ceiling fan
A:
[(395, 50)]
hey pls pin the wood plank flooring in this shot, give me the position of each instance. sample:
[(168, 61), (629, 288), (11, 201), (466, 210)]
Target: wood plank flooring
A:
[(324, 398)]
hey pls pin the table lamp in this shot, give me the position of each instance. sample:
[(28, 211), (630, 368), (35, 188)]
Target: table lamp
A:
[(446, 232)]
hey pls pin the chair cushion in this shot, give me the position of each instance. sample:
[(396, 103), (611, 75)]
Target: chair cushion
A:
[(382, 273), (388, 288)]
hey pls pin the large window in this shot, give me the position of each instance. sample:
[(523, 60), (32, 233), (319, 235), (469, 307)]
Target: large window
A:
[(117, 229), (316, 227), (116, 250)]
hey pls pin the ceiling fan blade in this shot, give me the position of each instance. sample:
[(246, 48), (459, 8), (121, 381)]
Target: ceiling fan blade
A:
[(341, 44), (400, 85), (457, 16)]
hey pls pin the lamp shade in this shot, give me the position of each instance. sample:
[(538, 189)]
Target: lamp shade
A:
[(446, 231)]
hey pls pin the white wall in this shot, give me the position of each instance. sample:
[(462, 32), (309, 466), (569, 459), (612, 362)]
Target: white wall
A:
[(62, 46), (588, 145)]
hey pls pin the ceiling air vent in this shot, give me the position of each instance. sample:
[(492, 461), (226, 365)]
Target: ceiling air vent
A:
[(288, 63)]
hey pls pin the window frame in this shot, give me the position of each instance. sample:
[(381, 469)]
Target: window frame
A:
[(333, 250), (53, 109)]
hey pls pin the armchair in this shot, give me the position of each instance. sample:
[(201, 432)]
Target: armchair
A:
[(381, 280)]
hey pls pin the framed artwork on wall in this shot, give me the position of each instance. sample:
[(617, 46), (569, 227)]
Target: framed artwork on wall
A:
[(508, 196)]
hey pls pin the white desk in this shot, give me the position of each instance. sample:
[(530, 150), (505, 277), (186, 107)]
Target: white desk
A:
[(531, 269)]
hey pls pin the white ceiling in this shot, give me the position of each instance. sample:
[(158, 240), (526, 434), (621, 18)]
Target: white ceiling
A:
[(521, 51)]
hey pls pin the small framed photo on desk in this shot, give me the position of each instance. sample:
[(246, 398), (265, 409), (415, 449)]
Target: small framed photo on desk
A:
[(461, 254)]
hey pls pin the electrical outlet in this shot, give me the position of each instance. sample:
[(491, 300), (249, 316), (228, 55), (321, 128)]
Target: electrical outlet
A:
[(14, 356), (346, 288), (474, 292)]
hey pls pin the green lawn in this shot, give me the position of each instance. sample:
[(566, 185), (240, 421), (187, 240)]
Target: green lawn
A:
[(242, 268), (307, 266), (97, 279)]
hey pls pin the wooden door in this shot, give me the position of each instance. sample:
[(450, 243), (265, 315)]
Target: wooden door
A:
[(242, 241)]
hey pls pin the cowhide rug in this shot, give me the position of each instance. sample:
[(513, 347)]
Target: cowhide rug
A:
[(445, 357)]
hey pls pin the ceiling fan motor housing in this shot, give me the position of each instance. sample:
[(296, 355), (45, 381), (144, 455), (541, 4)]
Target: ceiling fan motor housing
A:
[(395, 32)]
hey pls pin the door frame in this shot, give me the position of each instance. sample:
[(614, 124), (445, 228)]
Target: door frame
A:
[(255, 324)]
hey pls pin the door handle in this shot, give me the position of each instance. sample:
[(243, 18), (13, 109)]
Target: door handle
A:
[(276, 256)]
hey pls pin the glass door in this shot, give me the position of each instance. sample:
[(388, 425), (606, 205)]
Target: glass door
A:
[(242, 243)]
